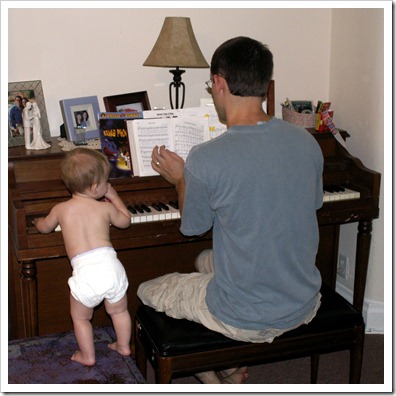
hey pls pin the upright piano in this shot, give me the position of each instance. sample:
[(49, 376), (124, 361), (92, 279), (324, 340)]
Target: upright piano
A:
[(153, 246)]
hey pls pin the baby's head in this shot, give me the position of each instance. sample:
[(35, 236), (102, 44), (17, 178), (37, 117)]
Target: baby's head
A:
[(82, 168)]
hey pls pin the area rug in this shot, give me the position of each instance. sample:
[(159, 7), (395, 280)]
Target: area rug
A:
[(46, 360)]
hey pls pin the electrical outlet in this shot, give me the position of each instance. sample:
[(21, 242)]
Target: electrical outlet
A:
[(343, 267)]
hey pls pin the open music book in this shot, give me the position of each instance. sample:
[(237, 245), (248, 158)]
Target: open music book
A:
[(185, 129)]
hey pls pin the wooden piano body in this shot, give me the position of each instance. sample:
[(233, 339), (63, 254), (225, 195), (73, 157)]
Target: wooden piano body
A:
[(39, 268)]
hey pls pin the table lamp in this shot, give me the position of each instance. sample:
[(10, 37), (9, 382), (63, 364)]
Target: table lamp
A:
[(176, 46)]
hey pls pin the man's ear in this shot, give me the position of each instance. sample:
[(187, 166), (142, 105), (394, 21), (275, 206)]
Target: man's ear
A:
[(220, 82)]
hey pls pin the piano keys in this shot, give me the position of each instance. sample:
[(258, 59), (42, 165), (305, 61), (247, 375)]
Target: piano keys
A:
[(146, 213), (39, 268), (339, 193)]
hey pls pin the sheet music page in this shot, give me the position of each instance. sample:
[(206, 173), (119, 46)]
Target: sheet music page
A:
[(216, 128), (179, 134), (144, 135), (188, 132)]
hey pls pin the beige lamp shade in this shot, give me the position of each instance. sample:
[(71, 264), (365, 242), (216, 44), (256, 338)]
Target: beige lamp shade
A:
[(176, 46)]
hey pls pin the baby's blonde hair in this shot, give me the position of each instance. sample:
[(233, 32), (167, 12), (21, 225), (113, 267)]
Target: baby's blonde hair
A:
[(83, 167)]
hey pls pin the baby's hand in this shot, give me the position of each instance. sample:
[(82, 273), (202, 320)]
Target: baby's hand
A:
[(111, 193), (37, 220)]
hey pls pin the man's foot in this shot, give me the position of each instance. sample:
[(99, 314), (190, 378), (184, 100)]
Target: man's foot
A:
[(78, 357), (230, 376), (124, 351), (234, 376)]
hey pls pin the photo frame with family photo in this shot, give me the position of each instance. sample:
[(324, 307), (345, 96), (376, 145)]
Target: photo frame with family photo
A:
[(80, 113), (19, 93)]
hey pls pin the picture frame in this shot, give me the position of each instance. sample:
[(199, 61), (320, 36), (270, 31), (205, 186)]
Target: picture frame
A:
[(32, 91), (73, 112), (128, 102)]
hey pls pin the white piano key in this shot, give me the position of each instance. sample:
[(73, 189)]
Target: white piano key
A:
[(155, 215), (341, 196)]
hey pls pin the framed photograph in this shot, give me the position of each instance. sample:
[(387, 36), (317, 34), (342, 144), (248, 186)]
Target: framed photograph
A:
[(80, 113), (19, 93), (127, 103)]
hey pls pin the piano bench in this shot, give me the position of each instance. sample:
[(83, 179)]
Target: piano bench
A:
[(178, 347)]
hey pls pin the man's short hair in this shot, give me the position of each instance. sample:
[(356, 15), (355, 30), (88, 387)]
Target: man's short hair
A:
[(246, 65)]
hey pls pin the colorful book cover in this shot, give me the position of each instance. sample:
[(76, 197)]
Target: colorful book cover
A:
[(114, 141)]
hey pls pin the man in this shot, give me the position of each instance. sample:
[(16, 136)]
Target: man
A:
[(258, 186), (16, 122)]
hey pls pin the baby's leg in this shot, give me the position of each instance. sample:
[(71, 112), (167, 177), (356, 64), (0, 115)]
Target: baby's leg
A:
[(122, 325), (81, 316)]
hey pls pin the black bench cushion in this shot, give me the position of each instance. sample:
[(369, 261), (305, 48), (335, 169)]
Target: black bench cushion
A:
[(172, 337)]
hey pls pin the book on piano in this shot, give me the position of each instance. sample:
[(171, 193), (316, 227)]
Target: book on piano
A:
[(179, 132), (114, 141)]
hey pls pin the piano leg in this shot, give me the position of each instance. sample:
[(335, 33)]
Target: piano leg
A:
[(29, 298), (362, 260)]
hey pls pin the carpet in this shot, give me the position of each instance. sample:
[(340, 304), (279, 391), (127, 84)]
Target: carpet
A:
[(46, 360)]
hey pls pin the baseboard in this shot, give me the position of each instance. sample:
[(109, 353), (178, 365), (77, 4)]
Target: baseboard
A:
[(373, 311)]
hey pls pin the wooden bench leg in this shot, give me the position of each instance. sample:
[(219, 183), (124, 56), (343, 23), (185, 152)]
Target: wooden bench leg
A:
[(163, 370), (140, 353), (356, 360), (314, 368)]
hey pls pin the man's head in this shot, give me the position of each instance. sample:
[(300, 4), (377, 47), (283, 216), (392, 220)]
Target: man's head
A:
[(245, 64), (18, 101)]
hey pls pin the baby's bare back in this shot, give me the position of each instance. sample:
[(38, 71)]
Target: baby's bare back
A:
[(85, 225)]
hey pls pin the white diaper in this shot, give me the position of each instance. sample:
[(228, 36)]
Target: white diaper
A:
[(98, 275)]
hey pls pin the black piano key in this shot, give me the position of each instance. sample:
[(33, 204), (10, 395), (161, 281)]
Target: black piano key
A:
[(333, 188), (139, 208), (145, 208), (163, 206), (174, 204), (157, 207), (132, 209)]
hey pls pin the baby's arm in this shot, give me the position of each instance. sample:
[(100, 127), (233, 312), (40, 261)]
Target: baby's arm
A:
[(47, 224), (120, 218)]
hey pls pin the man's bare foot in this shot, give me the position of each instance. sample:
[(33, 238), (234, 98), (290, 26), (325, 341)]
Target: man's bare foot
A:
[(234, 376), (78, 357), (230, 376), (124, 351)]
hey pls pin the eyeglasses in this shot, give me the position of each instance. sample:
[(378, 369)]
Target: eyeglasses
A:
[(209, 83)]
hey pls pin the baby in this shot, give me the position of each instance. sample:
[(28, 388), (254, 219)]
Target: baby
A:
[(97, 273)]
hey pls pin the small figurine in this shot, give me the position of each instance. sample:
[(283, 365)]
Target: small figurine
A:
[(33, 114)]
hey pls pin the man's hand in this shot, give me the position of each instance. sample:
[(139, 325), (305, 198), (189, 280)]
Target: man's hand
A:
[(168, 164)]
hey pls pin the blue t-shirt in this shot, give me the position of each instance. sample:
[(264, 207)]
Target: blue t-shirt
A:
[(259, 188)]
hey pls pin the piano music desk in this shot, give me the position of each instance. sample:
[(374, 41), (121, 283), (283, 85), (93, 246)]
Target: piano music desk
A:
[(39, 268)]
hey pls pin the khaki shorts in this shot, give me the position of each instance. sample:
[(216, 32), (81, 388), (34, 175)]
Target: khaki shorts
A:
[(182, 296)]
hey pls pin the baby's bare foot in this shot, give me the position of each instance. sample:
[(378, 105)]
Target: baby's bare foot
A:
[(124, 351), (78, 357), (238, 376)]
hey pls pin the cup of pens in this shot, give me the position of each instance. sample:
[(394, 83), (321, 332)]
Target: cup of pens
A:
[(80, 136)]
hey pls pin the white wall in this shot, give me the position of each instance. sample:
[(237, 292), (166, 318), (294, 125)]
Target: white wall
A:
[(84, 52), (357, 91)]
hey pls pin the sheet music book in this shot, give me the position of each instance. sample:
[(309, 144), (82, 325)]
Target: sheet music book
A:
[(178, 130)]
